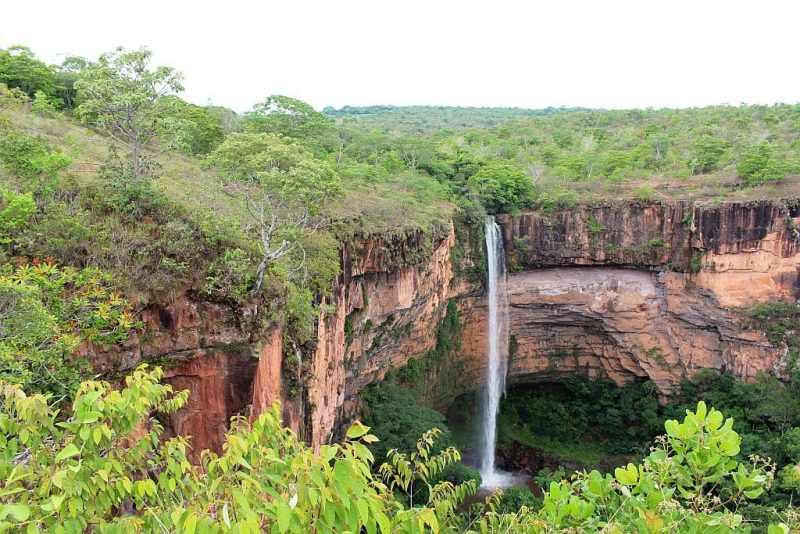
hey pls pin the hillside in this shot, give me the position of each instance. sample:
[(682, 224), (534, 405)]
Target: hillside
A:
[(426, 119), (198, 308), (572, 155)]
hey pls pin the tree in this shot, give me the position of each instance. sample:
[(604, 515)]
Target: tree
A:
[(707, 151), (287, 116), (759, 164), (119, 94), (284, 188), (66, 75), (189, 128), (20, 68), (502, 188)]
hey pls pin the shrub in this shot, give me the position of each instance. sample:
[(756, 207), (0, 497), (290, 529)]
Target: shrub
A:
[(645, 193), (613, 160), (707, 152), (502, 188), (105, 466), (47, 312), (44, 105), (556, 199), (230, 276), (759, 164), (31, 160), (515, 498), (16, 210)]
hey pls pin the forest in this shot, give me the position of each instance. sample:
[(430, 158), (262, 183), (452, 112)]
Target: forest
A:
[(117, 195)]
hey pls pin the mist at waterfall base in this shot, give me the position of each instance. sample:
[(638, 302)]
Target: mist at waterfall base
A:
[(497, 359)]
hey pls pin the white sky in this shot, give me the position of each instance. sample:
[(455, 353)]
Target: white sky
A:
[(525, 53)]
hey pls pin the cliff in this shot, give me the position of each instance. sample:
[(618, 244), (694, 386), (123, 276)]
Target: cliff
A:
[(385, 308), (746, 252), (623, 291), (642, 290)]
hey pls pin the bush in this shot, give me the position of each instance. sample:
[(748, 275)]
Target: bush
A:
[(515, 498), (31, 160), (45, 105), (47, 313), (558, 198), (760, 163), (104, 465), (645, 193), (502, 188), (707, 152), (16, 210)]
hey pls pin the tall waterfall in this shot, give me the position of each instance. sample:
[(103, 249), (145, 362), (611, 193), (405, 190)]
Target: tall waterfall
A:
[(497, 351)]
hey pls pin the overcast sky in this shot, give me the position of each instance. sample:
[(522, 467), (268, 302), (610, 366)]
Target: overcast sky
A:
[(524, 53)]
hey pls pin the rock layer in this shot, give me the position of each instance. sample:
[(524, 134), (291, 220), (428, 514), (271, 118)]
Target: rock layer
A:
[(383, 318), (633, 290), (619, 324)]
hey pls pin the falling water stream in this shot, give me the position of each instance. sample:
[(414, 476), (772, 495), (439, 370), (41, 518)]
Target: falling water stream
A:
[(497, 354)]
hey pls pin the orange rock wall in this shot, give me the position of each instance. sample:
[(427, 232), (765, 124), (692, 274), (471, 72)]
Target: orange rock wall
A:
[(606, 291)]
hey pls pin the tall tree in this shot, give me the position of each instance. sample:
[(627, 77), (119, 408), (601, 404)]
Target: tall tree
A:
[(189, 128), (285, 190), (66, 75), (286, 116), (119, 95), (20, 68)]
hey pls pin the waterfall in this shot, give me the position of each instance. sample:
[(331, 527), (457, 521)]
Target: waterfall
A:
[(497, 350)]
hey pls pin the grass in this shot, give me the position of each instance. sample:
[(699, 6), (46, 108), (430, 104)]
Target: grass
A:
[(589, 454), (182, 179), (396, 203), (390, 206)]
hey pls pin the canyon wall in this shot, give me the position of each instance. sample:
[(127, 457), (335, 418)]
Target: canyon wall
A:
[(385, 308), (745, 252), (384, 317), (621, 324), (641, 290), (635, 290)]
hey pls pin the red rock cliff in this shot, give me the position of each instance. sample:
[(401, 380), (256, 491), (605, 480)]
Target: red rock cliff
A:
[(642, 290), (635, 290)]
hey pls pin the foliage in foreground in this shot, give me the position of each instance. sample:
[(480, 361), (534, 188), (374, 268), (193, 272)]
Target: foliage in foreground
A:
[(46, 313), (103, 466)]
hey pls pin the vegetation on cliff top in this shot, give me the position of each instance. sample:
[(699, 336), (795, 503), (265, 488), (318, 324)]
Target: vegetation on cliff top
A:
[(735, 152), (109, 181), (102, 165), (162, 184)]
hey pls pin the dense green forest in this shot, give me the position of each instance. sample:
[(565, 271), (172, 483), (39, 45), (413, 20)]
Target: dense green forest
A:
[(116, 194)]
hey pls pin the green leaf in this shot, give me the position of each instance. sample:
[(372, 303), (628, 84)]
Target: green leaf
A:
[(68, 451), (190, 525), (752, 494), (627, 476), (20, 512), (225, 516), (284, 514), (357, 430)]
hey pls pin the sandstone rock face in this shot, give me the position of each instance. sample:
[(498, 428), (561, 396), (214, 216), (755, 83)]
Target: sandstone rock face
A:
[(629, 291), (201, 349), (619, 324), (220, 386), (664, 317), (383, 318), (729, 243)]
